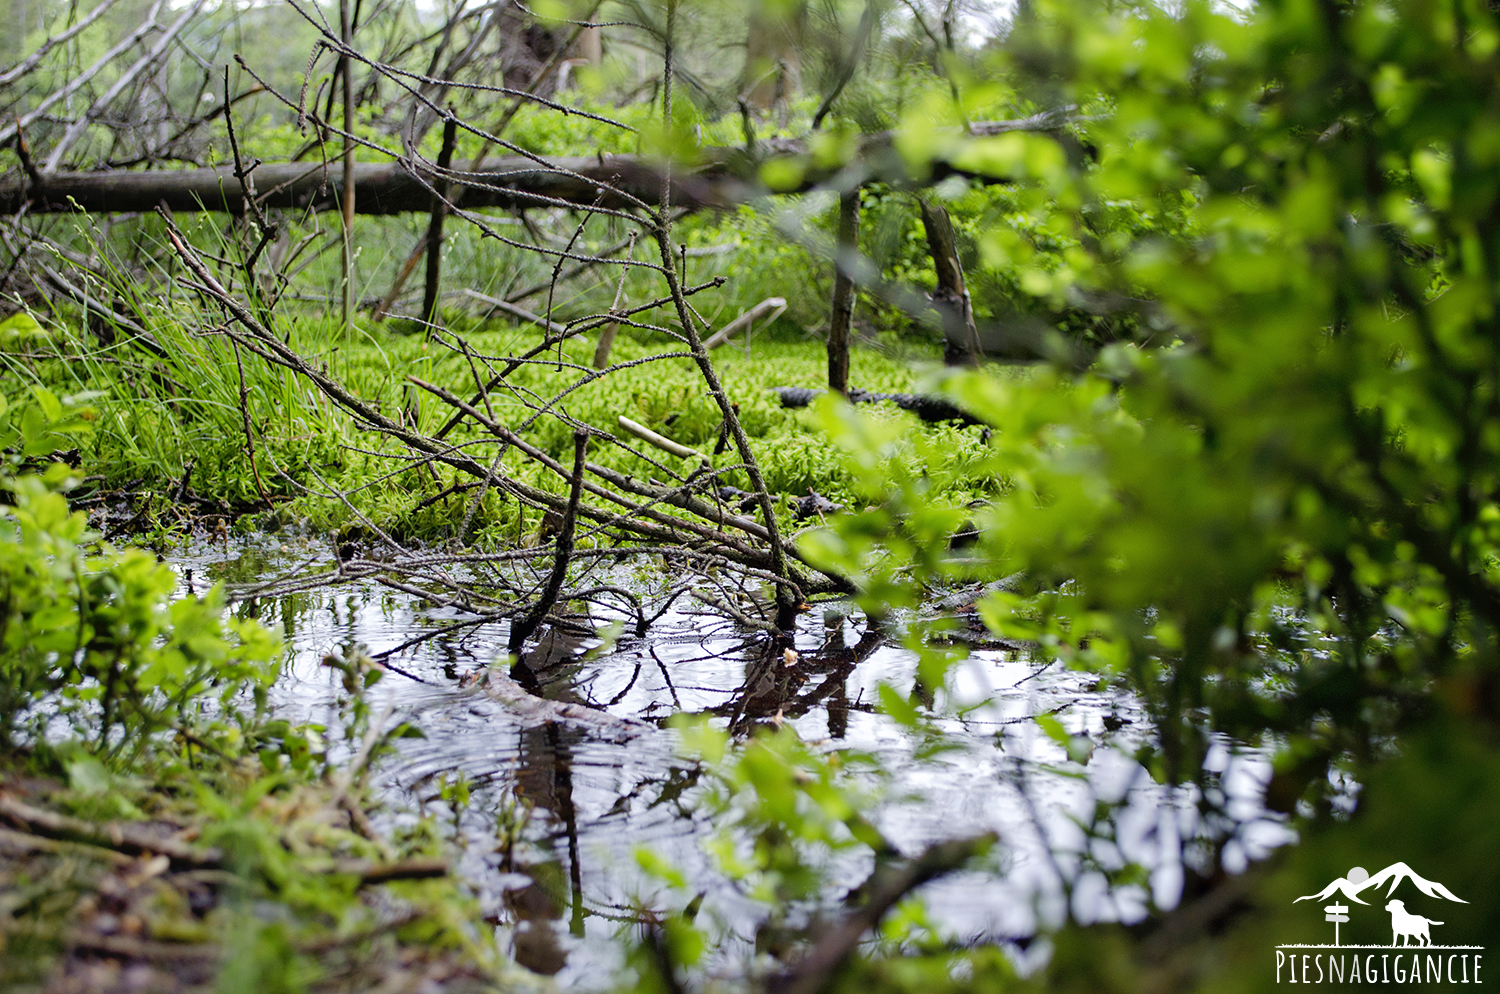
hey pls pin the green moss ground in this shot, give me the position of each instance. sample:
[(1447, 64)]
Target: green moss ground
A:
[(159, 417)]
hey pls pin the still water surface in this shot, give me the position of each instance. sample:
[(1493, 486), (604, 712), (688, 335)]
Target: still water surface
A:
[(581, 800)]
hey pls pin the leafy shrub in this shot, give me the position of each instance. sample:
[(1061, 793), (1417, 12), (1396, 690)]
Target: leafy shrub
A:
[(93, 636)]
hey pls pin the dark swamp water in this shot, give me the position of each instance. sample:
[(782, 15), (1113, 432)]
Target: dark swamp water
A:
[(558, 810)]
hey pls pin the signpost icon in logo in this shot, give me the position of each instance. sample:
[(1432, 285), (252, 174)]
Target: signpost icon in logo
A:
[(1336, 913), (1339, 913)]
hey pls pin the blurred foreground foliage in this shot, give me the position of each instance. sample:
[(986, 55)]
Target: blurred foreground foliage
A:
[(1274, 515)]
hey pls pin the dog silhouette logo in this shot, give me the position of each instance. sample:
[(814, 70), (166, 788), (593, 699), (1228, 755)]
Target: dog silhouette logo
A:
[(1407, 926)]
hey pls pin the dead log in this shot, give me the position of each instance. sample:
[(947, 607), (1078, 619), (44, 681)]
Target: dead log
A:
[(381, 187), (924, 406), (535, 711), (721, 176)]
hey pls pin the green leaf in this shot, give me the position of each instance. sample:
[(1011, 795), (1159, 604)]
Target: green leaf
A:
[(51, 406), (898, 707), (20, 328)]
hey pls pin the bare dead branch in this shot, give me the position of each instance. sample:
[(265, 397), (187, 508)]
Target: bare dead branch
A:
[(523, 629), (888, 885)]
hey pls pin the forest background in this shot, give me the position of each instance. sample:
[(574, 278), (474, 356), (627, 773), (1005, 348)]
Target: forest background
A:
[(1191, 306)]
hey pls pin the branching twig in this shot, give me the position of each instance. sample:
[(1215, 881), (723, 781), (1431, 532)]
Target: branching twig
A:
[(888, 885)]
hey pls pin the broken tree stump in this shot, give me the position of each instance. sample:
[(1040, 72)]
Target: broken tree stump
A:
[(951, 296)]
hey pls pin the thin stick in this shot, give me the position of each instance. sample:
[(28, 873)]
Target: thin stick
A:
[(268, 231), (607, 336), (245, 416), (35, 58), (28, 842), (861, 37), (520, 313), (407, 268), (662, 442), (786, 603), (148, 25), (23, 152), (537, 79), (774, 306), (524, 628), (346, 195), (813, 971), (517, 296), (126, 78), (126, 837)]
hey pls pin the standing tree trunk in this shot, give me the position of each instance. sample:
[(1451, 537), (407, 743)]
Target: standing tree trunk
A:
[(773, 54), (591, 42), (960, 336), (435, 226), (843, 294)]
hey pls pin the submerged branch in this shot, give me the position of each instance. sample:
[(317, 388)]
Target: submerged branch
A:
[(888, 885)]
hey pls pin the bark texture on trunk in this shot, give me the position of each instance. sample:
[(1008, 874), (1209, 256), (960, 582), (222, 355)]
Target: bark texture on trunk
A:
[(960, 336), (843, 294), (720, 177), (434, 239)]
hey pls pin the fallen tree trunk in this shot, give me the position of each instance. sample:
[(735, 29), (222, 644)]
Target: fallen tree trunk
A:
[(721, 177), (532, 711), (380, 187), (926, 407)]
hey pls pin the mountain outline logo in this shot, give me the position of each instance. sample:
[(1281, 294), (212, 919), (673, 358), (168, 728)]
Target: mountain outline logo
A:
[(1357, 881)]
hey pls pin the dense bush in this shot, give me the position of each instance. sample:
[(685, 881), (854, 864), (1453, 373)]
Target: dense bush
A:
[(98, 638)]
